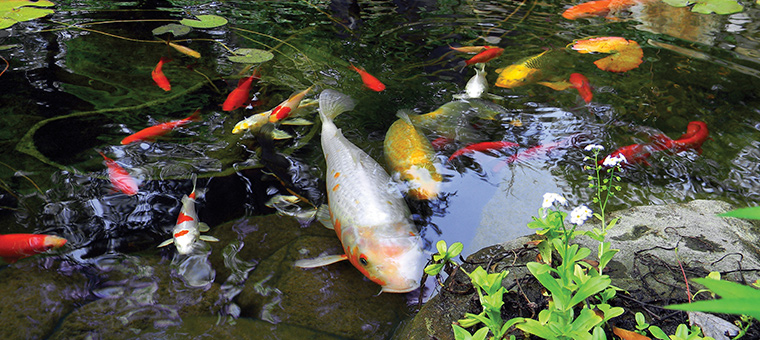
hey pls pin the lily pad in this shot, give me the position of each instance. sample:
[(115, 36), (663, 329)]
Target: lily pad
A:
[(205, 21), (175, 29), (13, 11), (251, 56), (709, 6), (626, 54)]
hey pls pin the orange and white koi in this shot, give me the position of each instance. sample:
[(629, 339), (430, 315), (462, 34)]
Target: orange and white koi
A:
[(241, 94), (159, 77), (485, 56), (366, 210), (14, 247), (369, 80), (188, 229), (256, 121), (120, 178), (411, 158), (581, 83), (155, 131), (283, 110), (482, 146)]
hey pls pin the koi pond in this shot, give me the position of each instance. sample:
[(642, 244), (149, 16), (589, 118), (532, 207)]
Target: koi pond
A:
[(80, 76)]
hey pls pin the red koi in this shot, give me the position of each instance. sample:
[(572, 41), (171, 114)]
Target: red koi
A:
[(283, 110), (14, 247), (369, 80), (696, 134), (581, 83), (119, 177), (484, 146), (158, 75), (240, 95), (638, 153), (155, 131), (485, 56)]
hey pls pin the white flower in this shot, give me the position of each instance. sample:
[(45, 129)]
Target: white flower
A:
[(550, 198), (580, 214), (611, 161), (592, 147)]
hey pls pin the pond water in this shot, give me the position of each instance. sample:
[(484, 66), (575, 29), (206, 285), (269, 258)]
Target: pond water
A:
[(79, 81)]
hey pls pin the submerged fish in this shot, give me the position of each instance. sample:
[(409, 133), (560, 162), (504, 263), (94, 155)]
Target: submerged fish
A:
[(410, 156), (482, 146), (241, 94), (581, 83), (120, 178), (255, 122), (158, 75), (369, 80), (453, 119), (639, 153), (476, 86), (485, 56), (696, 134), (155, 131), (366, 210), (283, 110), (188, 229), (14, 247)]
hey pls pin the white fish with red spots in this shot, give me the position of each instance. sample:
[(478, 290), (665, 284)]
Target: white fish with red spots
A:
[(188, 229), (366, 209)]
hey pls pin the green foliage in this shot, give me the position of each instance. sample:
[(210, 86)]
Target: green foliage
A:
[(736, 299), (251, 56), (491, 292), (13, 11), (752, 213), (709, 6), (175, 29), (205, 21)]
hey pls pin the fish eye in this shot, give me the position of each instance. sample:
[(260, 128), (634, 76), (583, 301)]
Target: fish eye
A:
[(363, 260)]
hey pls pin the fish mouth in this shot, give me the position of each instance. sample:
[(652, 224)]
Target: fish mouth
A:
[(406, 289)]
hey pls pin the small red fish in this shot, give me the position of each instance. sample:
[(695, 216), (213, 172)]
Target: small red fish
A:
[(484, 146), (369, 80), (155, 131), (14, 247), (638, 153), (241, 94), (119, 177), (485, 56), (581, 83), (696, 134), (158, 75)]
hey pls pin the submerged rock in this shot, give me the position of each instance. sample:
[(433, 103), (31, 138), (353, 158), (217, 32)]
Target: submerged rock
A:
[(646, 268)]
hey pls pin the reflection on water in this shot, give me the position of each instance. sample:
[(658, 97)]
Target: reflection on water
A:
[(71, 91)]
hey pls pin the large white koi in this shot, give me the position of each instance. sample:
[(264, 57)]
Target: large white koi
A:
[(366, 209), (188, 229)]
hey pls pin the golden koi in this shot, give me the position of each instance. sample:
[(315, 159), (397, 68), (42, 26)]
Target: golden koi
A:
[(523, 72), (367, 211), (410, 156)]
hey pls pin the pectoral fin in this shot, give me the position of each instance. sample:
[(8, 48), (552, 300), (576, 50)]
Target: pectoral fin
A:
[(556, 85), (203, 227), (166, 243), (208, 238), (323, 215), (320, 261)]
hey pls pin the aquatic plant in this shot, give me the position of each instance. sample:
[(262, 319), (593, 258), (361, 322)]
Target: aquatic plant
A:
[(13, 11), (708, 6), (444, 258)]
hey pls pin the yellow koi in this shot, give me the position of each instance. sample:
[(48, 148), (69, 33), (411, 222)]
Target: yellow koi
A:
[(411, 158), (525, 71)]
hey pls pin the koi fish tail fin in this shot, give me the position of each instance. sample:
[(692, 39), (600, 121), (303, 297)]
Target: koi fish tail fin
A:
[(332, 103), (196, 116), (196, 192), (403, 115)]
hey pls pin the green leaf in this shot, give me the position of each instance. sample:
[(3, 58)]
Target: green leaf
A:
[(455, 249), (205, 21), (441, 245), (717, 6), (728, 289), (175, 29), (8, 5), (592, 286), (434, 269), (480, 334), (13, 11), (752, 213), (658, 333), (251, 56), (748, 306), (586, 320), (536, 328)]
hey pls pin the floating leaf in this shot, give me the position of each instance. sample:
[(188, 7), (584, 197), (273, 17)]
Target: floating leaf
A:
[(13, 11), (626, 54), (251, 56), (205, 21), (752, 213), (175, 29), (708, 6)]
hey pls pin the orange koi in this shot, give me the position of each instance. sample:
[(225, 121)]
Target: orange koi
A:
[(581, 83), (483, 146), (159, 77), (14, 247), (485, 56), (120, 178), (638, 153), (240, 94), (696, 134), (369, 80), (283, 110), (155, 131), (471, 49), (587, 10)]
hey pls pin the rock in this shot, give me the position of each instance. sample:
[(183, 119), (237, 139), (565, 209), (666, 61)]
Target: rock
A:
[(36, 293), (208, 327), (647, 266)]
